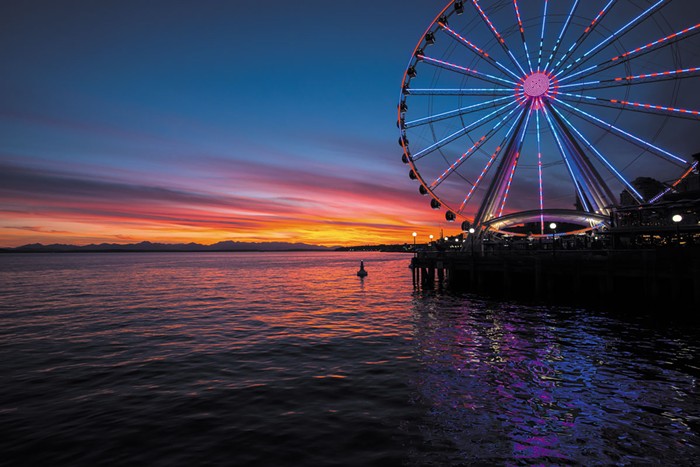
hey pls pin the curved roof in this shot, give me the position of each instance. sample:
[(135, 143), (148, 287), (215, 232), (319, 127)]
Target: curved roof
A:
[(561, 215)]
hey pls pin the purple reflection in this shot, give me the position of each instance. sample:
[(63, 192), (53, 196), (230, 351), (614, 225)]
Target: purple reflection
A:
[(519, 384)]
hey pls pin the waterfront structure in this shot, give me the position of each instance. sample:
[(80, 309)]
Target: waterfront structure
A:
[(504, 126), (661, 279)]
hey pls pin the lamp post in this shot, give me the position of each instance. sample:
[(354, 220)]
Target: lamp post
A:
[(471, 234), (414, 240), (677, 220), (431, 240), (553, 226)]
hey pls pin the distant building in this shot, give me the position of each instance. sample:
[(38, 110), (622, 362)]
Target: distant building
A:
[(636, 224), (646, 186)]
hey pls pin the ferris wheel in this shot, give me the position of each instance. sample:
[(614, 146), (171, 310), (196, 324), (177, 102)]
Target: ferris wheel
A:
[(530, 111)]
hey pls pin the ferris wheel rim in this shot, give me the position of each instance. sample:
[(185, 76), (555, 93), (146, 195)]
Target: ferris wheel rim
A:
[(531, 91)]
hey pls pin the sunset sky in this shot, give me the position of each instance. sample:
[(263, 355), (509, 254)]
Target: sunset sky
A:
[(180, 121), (123, 121)]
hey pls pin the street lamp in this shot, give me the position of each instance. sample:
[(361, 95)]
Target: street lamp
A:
[(471, 234), (431, 239), (677, 220), (553, 226)]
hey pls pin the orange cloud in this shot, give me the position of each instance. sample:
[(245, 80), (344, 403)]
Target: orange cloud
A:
[(297, 207)]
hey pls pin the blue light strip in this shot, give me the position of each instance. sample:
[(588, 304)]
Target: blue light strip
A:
[(460, 132), (454, 113), (497, 34), (544, 21), (628, 80), (458, 92), (586, 32), (579, 73), (467, 71), (607, 125), (522, 33), (614, 35), (588, 83), (471, 150), (561, 35), (636, 106), (590, 145), (477, 50), (638, 51)]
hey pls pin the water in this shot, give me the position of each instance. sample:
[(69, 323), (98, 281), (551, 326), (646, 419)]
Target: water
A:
[(289, 359)]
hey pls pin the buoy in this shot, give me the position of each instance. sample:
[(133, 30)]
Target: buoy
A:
[(362, 272)]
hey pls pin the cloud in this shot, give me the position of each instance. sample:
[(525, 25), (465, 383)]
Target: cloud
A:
[(265, 203), (38, 229)]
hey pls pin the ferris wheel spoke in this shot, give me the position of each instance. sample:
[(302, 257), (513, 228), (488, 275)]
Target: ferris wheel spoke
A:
[(561, 35), (466, 71), (458, 92), (514, 165), (584, 35), (636, 79), (497, 35), (461, 132), (635, 53), (477, 50), (575, 177), (632, 190), (455, 113), (544, 22), (633, 106), (522, 33), (480, 142), (489, 163), (666, 155), (616, 35)]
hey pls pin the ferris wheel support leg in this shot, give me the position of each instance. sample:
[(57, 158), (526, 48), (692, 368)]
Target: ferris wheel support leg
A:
[(632, 190), (497, 185), (598, 189)]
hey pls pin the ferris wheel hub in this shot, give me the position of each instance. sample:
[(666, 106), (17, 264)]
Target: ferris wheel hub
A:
[(536, 84)]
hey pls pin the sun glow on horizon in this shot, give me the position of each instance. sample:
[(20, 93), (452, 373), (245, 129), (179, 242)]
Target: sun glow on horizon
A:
[(328, 235)]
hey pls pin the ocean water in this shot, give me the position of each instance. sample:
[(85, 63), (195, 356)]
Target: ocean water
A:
[(290, 359)]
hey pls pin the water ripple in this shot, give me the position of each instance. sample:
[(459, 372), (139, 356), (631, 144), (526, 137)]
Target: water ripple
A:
[(290, 359)]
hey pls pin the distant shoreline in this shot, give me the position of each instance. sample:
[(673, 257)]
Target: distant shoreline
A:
[(201, 249), (227, 246), (11, 251)]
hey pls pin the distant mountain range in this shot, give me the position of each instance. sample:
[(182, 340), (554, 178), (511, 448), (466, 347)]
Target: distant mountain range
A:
[(149, 246)]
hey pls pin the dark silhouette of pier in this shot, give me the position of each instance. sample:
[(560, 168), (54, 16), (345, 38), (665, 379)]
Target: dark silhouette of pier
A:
[(661, 279), (646, 257)]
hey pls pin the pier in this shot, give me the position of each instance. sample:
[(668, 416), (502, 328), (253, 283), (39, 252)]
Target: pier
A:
[(663, 279)]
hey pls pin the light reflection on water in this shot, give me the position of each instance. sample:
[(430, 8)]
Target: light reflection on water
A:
[(558, 386), (290, 359)]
